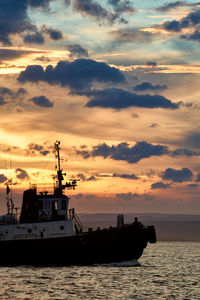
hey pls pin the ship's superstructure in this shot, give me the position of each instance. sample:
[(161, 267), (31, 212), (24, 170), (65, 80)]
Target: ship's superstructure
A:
[(43, 215), (48, 232)]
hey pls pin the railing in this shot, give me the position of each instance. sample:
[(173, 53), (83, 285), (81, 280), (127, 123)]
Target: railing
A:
[(73, 215)]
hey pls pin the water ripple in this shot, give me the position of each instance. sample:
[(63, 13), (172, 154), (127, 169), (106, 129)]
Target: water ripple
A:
[(168, 271)]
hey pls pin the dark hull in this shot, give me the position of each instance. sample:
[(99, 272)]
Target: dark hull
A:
[(100, 246)]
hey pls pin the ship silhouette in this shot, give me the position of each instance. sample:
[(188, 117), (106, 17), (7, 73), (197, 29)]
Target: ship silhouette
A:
[(48, 232)]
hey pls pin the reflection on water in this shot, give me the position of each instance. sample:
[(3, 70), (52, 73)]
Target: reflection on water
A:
[(167, 271)]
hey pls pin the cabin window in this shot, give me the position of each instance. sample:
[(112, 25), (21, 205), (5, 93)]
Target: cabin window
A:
[(40, 204), (56, 205), (63, 204)]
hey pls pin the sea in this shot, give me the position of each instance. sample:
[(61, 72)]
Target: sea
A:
[(167, 270)]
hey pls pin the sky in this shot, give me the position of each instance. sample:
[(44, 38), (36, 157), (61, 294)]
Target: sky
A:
[(117, 83)]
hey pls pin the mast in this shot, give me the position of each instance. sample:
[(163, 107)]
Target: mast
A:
[(60, 173)]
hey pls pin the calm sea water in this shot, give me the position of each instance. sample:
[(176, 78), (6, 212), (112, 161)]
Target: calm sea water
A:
[(168, 270)]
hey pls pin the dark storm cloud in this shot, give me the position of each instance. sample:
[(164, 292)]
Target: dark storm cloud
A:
[(21, 174), (133, 154), (177, 175), (121, 99), (53, 33), (149, 86), (14, 18), (126, 176), (34, 38), (121, 6), (77, 74), (190, 21), (125, 152), (3, 178), (36, 148), (77, 51), (160, 185), (41, 101), (93, 9)]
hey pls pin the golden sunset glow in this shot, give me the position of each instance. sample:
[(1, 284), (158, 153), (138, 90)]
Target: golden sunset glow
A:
[(118, 86)]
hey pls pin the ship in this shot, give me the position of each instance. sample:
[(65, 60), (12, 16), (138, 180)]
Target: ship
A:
[(47, 232)]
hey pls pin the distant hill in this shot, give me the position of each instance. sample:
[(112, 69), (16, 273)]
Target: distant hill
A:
[(169, 227)]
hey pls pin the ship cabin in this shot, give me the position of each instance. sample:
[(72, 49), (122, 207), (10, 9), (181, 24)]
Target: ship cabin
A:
[(43, 207)]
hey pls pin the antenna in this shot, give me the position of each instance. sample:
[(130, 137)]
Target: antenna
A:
[(60, 174), (59, 170)]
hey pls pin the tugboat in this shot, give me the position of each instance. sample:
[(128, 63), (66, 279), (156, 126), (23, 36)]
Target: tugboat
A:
[(49, 233)]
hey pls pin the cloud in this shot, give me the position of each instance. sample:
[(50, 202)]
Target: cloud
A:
[(93, 9), (126, 176), (193, 185), (192, 139), (14, 18), (198, 177), (43, 59), (121, 6), (36, 148), (8, 93), (54, 34), (34, 38), (131, 35), (134, 196), (82, 177), (21, 174), (132, 154), (39, 3), (183, 152), (121, 99), (169, 6), (77, 74), (190, 21), (177, 175), (149, 86), (67, 2), (2, 100), (124, 152), (151, 63), (193, 36), (160, 185), (154, 125), (77, 51), (3, 178), (41, 101), (11, 54)]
